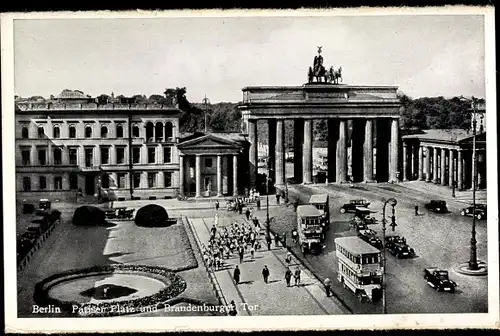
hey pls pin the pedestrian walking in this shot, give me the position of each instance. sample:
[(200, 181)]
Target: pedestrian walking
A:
[(278, 198), (297, 276), (327, 283), (258, 203), (265, 274), (240, 208), (416, 209), (241, 253), (252, 251), (276, 240), (216, 205), (288, 276), (232, 309), (247, 213), (236, 275), (288, 259), (284, 239), (268, 241)]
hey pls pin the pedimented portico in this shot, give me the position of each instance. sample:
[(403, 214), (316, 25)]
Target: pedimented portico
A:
[(209, 164)]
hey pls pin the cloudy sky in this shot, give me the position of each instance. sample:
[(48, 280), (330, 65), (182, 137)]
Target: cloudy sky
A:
[(423, 55)]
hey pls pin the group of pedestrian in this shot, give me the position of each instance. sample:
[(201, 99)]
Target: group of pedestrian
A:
[(239, 238), (295, 274)]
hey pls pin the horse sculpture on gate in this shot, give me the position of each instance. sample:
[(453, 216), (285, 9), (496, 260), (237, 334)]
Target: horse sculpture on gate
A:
[(319, 72)]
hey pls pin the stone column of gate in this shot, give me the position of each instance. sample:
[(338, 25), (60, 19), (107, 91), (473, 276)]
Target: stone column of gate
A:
[(443, 166), (460, 173), (298, 129), (219, 175), (280, 153), (252, 152), (420, 163), (198, 175), (428, 165), (342, 152), (235, 175), (271, 131), (333, 133), (451, 168), (368, 151), (393, 171), (307, 152), (435, 175), (405, 162), (181, 174)]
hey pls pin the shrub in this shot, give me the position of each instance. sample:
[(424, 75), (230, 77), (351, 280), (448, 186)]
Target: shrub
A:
[(88, 215), (28, 208), (151, 215)]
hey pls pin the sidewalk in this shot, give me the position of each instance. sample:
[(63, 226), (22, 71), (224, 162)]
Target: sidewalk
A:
[(254, 297), (444, 192)]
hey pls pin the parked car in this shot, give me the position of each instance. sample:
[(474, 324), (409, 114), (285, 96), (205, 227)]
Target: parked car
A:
[(43, 206), (480, 211), (370, 237), (354, 205), (365, 215), (358, 224), (437, 206), (439, 280)]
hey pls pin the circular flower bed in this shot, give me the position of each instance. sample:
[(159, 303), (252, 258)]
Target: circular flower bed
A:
[(175, 285)]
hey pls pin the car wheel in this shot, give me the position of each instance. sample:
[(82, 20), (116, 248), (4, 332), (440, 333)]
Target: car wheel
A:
[(479, 216), (463, 213), (466, 211), (342, 210)]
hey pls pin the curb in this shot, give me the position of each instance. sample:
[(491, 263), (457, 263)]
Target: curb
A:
[(463, 269)]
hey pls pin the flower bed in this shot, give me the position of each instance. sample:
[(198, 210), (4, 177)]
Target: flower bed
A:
[(176, 285)]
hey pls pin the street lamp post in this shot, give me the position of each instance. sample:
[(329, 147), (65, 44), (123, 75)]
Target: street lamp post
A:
[(206, 102), (268, 180), (393, 203), (473, 242)]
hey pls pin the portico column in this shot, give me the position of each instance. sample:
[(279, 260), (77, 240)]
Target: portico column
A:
[(342, 152), (451, 168), (235, 175), (219, 175), (405, 161), (368, 153), (443, 166), (271, 160), (460, 173), (198, 175), (394, 150), (181, 174), (420, 163), (307, 152), (253, 153), (435, 176), (428, 165), (280, 152)]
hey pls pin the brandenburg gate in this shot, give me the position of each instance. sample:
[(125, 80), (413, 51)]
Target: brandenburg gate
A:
[(364, 117)]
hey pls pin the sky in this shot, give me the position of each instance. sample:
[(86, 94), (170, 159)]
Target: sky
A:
[(431, 55)]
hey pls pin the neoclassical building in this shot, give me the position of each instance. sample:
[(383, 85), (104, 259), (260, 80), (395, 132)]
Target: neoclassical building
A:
[(114, 150)]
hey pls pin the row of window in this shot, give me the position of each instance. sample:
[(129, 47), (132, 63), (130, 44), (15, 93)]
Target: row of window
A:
[(369, 258), (151, 180), (155, 133), (89, 155), (42, 183), (365, 280)]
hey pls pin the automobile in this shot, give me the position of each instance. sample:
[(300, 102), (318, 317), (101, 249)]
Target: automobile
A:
[(43, 206), (354, 205), (401, 250), (320, 177), (439, 280), (365, 215), (358, 224), (437, 206), (370, 237), (480, 212), (289, 159)]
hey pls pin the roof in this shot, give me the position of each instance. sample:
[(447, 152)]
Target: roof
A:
[(356, 245), (232, 136), (453, 135), (308, 211), (318, 198), (72, 94)]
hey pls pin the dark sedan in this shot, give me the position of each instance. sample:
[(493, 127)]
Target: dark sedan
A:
[(480, 211), (437, 206)]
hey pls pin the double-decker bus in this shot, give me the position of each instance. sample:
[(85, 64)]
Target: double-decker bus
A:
[(309, 229), (321, 202), (359, 267)]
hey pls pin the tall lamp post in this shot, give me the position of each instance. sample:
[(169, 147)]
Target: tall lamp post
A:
[(393, 203), (473, 242), (206, 102), (268, 180)]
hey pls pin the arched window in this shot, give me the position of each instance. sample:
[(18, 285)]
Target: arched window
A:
[(169, 130), (56, 132), (25, 133), (119, 131), (149, 131), (104, 132), (135, 131), (88, 132), (72, 132), (159, 130), (41, 132)]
